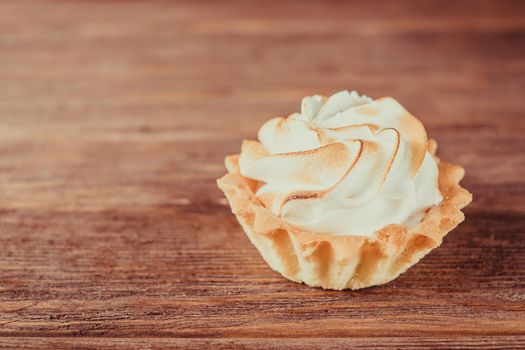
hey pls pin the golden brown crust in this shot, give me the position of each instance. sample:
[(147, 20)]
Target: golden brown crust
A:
[(341, 262)]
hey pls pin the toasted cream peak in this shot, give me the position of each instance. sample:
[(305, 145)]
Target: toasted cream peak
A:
[(344, 165)]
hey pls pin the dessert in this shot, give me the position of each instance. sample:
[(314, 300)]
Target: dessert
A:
[(347, 193)]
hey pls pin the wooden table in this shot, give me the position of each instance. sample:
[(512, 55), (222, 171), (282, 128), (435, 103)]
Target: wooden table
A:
[(115, 118)]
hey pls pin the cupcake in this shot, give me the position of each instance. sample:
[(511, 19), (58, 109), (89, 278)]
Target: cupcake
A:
[(348, 193)]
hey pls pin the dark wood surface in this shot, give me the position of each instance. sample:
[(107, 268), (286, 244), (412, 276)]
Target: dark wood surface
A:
[(115, 118)]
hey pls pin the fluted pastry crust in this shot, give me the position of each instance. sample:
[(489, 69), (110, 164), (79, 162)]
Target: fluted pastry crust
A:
[(342, 262)]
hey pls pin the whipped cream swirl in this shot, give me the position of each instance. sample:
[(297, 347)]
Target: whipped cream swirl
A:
[(345, 165)]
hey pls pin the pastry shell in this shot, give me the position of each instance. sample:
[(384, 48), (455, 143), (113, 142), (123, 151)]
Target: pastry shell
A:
[(343, 262)]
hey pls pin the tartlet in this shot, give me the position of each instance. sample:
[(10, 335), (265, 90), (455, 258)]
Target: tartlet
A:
[(348, 193)]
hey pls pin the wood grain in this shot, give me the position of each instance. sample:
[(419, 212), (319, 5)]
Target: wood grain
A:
[(115, 119), (409, 343)]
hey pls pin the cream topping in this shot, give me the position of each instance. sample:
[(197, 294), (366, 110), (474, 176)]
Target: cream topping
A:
[(344, 165)]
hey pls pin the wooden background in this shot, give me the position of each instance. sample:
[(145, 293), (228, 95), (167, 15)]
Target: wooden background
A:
[(115, 117)]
